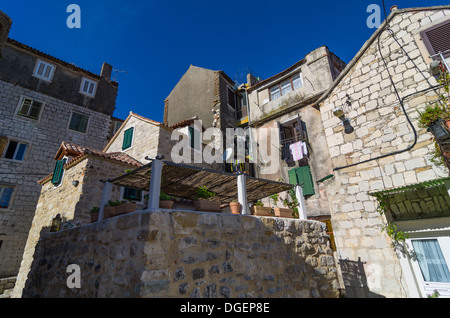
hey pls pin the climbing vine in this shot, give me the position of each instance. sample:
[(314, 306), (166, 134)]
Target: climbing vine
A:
[(390, 228)]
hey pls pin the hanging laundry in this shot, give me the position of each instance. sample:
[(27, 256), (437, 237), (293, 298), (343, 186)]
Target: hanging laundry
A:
[(296, 151)]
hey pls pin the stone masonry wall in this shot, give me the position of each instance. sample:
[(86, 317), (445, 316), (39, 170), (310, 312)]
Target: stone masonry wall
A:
[(44, 137), (380, 128), (186, 254)]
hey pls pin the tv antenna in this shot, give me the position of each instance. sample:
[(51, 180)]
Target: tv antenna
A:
[(117, 73)]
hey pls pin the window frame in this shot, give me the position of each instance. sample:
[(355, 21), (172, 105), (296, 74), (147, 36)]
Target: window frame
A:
[(10, 201), (283, 81), (426, 41), (19, 142), (122, 195), (21, 104), (46, 65), (90, 81), (70, 121)]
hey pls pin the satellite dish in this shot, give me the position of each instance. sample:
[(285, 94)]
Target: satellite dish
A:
[(228, 154)]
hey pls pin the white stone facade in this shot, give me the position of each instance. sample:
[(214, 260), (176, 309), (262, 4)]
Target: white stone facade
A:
[(380, 128)]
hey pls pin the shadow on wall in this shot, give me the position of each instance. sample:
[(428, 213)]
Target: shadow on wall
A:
[(355, 279), (186, 254)]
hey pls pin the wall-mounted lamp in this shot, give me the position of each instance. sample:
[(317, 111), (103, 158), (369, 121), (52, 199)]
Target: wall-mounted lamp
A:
[(339, 112)]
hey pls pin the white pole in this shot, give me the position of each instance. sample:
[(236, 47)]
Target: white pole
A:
[(155, 184), (301, 202), (242, 193), (106, 195)]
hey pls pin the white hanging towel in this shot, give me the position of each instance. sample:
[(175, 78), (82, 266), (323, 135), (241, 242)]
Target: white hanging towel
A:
[(296, 151)]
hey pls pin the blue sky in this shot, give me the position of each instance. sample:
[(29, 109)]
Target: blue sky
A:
[(157, 41)]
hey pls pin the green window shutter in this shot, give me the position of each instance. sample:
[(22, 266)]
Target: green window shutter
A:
[(293, 176), (191, 136), (127, 138), (194, 138), (58, 172), (304, 177)]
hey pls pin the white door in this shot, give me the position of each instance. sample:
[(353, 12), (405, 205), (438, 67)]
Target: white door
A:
[(431, 264)]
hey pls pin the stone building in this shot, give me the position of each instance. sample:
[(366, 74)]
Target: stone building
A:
[(43, 101), (370, 117), (284, 102)]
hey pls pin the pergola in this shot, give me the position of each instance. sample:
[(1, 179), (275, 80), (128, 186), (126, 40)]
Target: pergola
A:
[(180, 180)]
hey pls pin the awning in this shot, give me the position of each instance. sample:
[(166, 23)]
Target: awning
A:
[(429, 199), (180, 180)]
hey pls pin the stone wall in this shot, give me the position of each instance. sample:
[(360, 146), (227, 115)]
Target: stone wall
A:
[(380, 128), (186, 254), (44, 137), (72, 203)]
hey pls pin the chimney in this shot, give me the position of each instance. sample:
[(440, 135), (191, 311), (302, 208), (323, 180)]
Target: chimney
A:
[(106, 71), (251, 80), (5, 26)]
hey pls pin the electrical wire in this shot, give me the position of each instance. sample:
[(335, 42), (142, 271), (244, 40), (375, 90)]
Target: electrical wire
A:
[(401, 100)]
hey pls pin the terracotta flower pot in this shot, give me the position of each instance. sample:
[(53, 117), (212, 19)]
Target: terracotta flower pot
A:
[(235, 207), (166, 204), (94, 217), (125, 208), (207, 206), (283, 213), (109, 211), (261, 210)]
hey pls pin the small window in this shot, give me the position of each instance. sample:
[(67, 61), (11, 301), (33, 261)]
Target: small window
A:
[(231, 98), (194, 138), (127, 138), (5, 196), (436, 39), (132, 194), (275, 92), (58, 172), (78, 122), (30, 108), (44, 70), (297, 81), (88, 87), (286, 87), (15, 150)]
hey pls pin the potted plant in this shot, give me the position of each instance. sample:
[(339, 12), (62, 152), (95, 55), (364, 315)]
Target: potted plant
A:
[(165, 201), (203, 200), (118, 207), (259, 209), (235, 207), (283, 212), (94, 214)]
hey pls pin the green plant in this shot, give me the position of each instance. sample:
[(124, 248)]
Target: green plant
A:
[(164, 197), (128, 171), (95, 209), (432, 113), (292, 203), (258, 203), (204, 193), (435, 294), (398, 237), (115, 203)]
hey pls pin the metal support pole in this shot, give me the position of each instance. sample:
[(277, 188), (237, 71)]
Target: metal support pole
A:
[(106, 195), (242, 193), (301, 202), (155, 184)]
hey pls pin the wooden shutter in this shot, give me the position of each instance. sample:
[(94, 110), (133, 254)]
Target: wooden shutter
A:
[(127, 138), (437, 38), (58, 172), (302, 175)]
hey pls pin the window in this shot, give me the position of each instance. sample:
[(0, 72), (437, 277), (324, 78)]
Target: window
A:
[(30, 108), (194, 138), (302, 175), (285, 87), (132, 194), (5, 196), (58, 172), (15, 150), (231, 98), (78, 122), (44, 70), (127, 138), (436, 39), (88, 87)]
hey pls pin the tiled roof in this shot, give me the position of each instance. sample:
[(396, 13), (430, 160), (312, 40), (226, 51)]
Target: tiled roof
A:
[(184, 123), (80, 152)]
